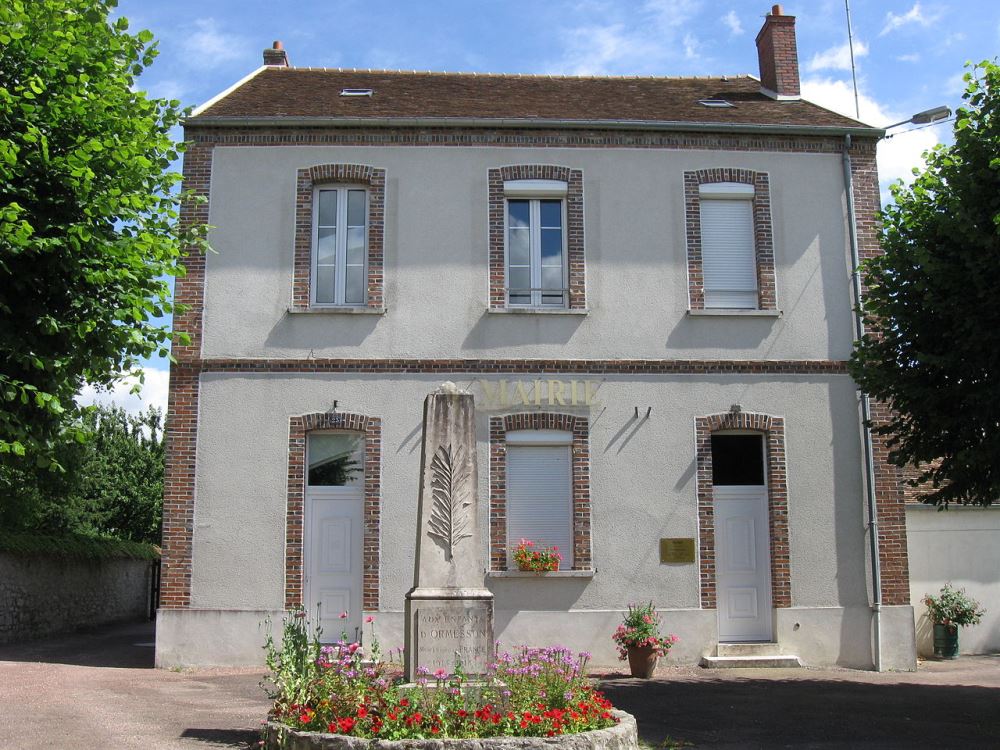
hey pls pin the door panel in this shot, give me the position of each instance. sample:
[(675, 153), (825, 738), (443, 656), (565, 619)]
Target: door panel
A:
[(742, 559), (333, 561)]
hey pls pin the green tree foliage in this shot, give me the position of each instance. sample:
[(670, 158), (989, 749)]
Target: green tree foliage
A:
[(111, 485), (88, 222), (932, 315)]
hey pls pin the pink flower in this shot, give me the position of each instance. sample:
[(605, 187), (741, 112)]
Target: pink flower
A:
[(441, 674), (343, 615), (369, 619)]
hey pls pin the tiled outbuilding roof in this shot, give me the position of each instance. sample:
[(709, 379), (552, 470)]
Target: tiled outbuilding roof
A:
[(307, 93)]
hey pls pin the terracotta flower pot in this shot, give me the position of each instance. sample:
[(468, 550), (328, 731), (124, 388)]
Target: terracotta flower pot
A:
[(642, 661)]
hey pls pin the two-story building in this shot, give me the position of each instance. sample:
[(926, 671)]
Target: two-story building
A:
[(646, 283)]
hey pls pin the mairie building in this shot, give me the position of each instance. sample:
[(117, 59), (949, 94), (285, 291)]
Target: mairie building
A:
[(645, 283)]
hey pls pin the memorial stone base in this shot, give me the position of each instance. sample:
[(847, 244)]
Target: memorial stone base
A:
[(445, 626)]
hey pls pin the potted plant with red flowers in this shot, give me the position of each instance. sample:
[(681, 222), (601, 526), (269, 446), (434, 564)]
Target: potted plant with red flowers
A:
[(639, 639), (528, 557), (947, 612)]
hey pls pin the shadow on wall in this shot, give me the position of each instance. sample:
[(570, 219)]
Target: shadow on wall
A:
[(495, 331), (297, 332), (733, 711)]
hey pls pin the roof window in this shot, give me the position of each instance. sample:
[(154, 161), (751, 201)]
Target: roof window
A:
[(714, 103), (356, 92)]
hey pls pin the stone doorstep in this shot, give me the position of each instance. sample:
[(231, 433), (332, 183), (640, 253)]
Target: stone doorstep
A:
[(749, 656)]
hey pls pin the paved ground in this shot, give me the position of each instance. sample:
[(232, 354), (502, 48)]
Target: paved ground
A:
[(100, 691)]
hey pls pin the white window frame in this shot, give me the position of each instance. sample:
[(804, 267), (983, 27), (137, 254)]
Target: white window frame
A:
[(728, 191), (545, 439), (535, 191), (340, 262)]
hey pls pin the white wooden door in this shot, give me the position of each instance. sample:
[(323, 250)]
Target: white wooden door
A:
[(333, 560), (742, 563)]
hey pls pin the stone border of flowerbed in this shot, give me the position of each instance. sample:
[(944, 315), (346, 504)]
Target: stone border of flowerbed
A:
[(622, 736)]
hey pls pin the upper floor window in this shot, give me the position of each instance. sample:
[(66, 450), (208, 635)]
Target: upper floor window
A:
[(340, 246), (730, 240), (729, 265), (339, 238), (536, 243), (536, 238)]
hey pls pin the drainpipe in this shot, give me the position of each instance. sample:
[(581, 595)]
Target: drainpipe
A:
[(859, 330)]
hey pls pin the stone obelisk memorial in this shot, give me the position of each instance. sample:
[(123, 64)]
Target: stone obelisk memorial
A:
[(449, 610)]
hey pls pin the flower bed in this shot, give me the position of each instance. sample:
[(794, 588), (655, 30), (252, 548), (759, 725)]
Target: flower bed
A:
[(343, 691), (621, 736)]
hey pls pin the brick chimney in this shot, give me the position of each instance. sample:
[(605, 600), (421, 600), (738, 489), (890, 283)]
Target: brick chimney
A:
[(778, 56), (277, 55)]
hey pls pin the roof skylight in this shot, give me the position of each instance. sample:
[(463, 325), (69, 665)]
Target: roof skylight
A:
[(715, 103), (357, 92)]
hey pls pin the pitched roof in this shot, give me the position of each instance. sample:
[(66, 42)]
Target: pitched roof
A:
[(308, 93)]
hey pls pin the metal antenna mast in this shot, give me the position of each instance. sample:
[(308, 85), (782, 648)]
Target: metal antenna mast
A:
[(854, 73)]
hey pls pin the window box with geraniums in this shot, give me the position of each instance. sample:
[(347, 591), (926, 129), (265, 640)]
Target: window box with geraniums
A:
[(639, 639), (952, 609), (528, 557)]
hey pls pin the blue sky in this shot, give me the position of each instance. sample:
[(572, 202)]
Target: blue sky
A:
[(909, 55)]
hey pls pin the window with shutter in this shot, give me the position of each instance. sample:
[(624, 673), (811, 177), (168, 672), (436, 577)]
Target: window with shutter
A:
[(540, 490), (729, 262)]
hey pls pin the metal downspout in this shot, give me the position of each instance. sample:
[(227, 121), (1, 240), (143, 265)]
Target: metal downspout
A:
[(859, 330)]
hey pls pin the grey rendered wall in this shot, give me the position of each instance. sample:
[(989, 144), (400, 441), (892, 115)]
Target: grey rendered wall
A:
[(436, 231), (642, 479), (42, 596), (960, 545)]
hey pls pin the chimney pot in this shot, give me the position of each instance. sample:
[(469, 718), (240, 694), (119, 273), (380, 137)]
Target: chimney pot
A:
[(276, 56), (778, 56)]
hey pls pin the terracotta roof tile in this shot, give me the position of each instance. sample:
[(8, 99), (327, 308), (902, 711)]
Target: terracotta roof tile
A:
[(315, 92)]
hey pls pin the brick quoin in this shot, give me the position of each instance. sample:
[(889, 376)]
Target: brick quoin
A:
[(182, 409), (773, 430), (580, 450), (890, 500), (762, 229), (574, 229), (298, 434), (338, 174)]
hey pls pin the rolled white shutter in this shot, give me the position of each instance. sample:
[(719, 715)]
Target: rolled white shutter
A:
[(540, 497), (729, 262)]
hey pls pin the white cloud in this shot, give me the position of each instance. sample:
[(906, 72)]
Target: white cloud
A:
[(915, 15), (836, 58), (154, 393), (897, 156), (911, 58), (638, 41), (733, 22), (208, 46)]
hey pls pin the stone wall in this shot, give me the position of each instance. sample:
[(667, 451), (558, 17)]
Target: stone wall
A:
[(42, 596)]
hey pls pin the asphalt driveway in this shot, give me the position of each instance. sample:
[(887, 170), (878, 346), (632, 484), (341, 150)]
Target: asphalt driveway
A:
[(99, 690)]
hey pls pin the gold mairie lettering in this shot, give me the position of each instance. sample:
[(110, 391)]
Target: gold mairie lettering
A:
[(556, 393), (590, 391), (520, 395)]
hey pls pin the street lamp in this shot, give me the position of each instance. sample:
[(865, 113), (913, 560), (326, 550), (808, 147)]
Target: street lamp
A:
[(923, 118)]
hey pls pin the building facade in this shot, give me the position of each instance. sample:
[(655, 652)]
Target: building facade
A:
[(645, 282)]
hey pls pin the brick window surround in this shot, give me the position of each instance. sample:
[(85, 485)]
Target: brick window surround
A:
[(576, 273), (298, 432), (773, 430), (763, 233), (580, 451), (338, 174)]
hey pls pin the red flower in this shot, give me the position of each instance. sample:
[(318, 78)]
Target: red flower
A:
[(345, 725), (404, 702), (362, 712)]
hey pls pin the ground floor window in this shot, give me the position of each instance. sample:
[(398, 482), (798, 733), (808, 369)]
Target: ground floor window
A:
[(540, 490), (540, 486)]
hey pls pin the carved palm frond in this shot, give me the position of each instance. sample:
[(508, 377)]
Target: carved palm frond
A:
[(449, 518)]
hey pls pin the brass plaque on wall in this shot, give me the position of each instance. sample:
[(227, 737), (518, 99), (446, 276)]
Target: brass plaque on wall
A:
[(678, 550)]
